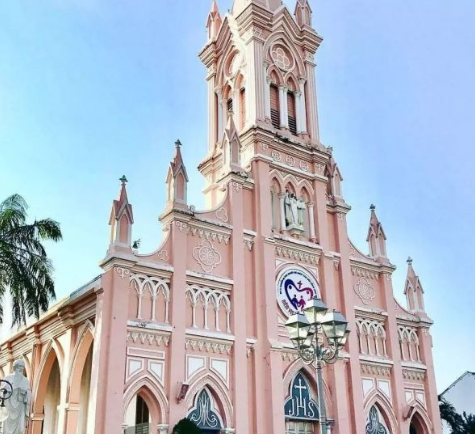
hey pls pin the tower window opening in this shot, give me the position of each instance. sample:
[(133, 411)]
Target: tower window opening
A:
[(230, 105), (274, 106), (242, 104), (292, 113)]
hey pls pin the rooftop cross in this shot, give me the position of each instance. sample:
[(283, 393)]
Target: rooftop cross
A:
[(123, 179)]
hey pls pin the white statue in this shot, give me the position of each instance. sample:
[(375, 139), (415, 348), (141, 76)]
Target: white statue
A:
[(18, 405), (291, 209)]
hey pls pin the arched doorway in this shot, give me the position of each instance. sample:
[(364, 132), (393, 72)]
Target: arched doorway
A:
[(300, 408), (52, 401), (413, 429)]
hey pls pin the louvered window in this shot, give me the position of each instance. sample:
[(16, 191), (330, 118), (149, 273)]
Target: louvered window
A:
[(291, 112), (274, 106), (242, 103), (230, 105)]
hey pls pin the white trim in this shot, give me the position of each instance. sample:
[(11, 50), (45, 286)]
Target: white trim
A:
[(208, 334)]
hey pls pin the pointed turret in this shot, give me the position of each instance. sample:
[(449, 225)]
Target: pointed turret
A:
[(303, 13), (413, 290), (332, 172), (177, 180), (376, 237), (121, 218), (240, 5), (214, 21), (231, 147)]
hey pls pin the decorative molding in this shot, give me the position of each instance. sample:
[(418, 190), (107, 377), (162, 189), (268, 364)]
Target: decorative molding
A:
[(364, 272), (364, 291), (163, 255), (122, 272), (275, 155), (180, 225), (336, 262), (370, 369), (289, 356), (207, 346), (304, 166), (207, 256), (237, 186), (290, 161), (149, 338), (222, 214), (412, 374), (248, 243), (208, 234), (341, 216), (286, 252)]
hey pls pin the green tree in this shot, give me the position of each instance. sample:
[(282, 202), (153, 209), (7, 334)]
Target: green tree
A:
[(25, 269), (186, 426), (459, 424)]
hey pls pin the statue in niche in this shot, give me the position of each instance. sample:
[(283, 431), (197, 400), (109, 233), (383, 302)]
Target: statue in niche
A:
[(293, 208), (18, 406)]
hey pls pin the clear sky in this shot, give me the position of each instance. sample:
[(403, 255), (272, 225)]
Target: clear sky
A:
[(92, 89)]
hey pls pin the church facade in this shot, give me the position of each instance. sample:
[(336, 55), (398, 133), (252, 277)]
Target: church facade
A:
[(196, 328)]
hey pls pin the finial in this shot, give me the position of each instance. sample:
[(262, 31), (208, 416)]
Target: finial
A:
[(409, 260), (178, 143), (372, 207), (330, 150), (123, 180)]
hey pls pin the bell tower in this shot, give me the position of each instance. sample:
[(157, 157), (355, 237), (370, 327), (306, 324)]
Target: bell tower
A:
[(260, 68)]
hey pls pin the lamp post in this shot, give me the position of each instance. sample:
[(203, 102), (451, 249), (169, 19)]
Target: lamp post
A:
[(303, 329), (6, 391)]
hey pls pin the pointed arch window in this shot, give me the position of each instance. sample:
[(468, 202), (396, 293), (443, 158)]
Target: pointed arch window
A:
[(292, 113), (274, 106), (242, 105), (230, 104), (300, 404), (375, 423), (204, 415)]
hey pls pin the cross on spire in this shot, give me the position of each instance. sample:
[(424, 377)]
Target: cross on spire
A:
[(123, 180)]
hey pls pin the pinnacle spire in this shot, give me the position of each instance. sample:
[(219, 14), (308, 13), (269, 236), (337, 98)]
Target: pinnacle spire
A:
[(376, 237), (214, 21), (413, 289), (177, 179), (121, 217), (303, 13), (240, 5)]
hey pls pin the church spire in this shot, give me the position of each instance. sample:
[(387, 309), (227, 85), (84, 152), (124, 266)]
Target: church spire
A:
[(376, 237), (303, 13), (121, 218), (214, 21), (413, 290), (177, 180), (240, 5)]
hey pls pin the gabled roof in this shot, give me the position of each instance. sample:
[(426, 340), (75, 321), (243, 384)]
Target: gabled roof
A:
[(464, 375)]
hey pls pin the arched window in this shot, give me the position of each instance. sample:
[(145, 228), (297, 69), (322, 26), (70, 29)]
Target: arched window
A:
[(242, 105), (274, 106), (230, 104), (375, 423), (300, 408), (204, 414), (291, 111)]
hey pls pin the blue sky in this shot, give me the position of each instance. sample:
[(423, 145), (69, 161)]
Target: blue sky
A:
[(90, 91)]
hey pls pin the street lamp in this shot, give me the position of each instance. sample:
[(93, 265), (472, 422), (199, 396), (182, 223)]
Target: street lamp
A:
[(6, 391), (303, 332)]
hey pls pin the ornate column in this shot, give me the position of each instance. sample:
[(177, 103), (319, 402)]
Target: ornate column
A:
[(212, 108), (283, 224), (220, 115), (312, 99), (303, 108), (284, 118), (267, 95), (311, 222)]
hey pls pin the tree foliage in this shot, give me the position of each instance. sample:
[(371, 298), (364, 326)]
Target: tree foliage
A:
[(459, 423), (25, 269), (186, 426)]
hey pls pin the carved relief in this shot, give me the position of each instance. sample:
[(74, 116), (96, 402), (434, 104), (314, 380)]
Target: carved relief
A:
[(222, 214), (207, 346), (207, 256), (364, 291), (297, 255), (163, 255), (122, 272), (370, 369), (148, 338), (281, 57)]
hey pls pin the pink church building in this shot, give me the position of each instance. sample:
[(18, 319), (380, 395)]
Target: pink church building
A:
[(196, 328)]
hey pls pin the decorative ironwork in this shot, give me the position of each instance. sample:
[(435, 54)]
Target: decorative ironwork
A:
[(203, 414), (374, 426), (300, 405)]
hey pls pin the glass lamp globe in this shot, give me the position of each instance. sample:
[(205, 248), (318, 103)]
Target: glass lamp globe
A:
[(342, 341), (334, 325), (3, 413), (315, 309), (298, 327)]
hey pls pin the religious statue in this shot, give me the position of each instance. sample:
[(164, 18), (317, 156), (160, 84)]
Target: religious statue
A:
[(18, 406), (293, 207)]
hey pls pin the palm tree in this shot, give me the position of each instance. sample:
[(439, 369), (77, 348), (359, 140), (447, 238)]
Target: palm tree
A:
[(25, 269)]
